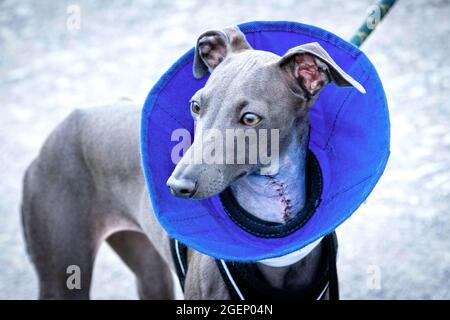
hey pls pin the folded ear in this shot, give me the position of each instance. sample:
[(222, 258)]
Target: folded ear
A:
[(312, 68), (214, 46)]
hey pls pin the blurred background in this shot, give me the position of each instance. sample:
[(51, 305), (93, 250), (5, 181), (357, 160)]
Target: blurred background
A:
[(396, 246)]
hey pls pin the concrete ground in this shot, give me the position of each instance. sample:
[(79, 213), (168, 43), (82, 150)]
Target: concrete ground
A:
[(397, 246)]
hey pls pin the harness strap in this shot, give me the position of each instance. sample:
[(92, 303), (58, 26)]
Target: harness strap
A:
[(245, 281), (332, 270), (179, 257), (233, 288)]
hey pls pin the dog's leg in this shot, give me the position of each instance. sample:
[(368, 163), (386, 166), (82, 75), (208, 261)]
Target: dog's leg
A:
[(85, 185), (203, 279), (60, 228), (153, 276), (59, 247)]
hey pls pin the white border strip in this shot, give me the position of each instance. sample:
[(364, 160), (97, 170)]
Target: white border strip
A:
[(292, 257), (231, 279), (323, 291), (179, 258)]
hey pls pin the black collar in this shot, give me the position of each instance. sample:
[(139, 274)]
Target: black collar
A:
[(265, 229)]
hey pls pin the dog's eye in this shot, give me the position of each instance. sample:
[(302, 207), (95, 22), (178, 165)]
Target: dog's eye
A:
[(250, 119), (195, 107)]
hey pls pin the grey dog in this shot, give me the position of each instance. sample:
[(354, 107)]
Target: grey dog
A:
[(87, 185)]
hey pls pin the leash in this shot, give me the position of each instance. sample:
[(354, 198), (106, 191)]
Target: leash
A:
[(376, 13), (245, 281)]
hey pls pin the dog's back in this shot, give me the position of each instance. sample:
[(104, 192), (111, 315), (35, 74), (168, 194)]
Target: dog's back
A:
[(85, 186)]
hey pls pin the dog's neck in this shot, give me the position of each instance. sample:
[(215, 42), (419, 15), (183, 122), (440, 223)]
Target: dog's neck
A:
[(279, 197)]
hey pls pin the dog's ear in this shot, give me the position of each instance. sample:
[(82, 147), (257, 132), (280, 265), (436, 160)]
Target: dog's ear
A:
[(214, 46), (311, 67)]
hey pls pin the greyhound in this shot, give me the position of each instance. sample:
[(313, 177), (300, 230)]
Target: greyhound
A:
[(87, 185)]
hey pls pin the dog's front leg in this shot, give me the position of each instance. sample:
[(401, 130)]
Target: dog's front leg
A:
[(203, 279)]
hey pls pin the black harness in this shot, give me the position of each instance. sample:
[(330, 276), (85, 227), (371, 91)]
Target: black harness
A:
[(245, 281)]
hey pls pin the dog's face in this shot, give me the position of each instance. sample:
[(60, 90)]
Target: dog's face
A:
[(250, 95)]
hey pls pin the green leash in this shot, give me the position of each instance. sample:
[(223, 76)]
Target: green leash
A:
[(376, 13)]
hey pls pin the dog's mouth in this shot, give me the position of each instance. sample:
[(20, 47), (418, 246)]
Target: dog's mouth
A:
[(195, 190), (195, 195), (188, 194)]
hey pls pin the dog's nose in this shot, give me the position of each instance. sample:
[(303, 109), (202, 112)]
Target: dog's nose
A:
[(184, 188)]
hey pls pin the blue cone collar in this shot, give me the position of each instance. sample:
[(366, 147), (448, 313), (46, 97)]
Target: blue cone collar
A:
[(349, 142)]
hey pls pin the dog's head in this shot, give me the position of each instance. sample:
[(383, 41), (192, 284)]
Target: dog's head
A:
[(253, 101)]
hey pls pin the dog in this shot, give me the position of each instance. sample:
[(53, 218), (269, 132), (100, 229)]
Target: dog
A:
[(87, 184)]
